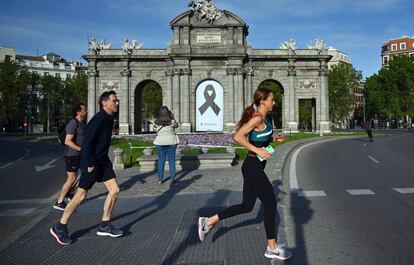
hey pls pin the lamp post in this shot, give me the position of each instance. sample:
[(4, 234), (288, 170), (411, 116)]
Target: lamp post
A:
[(363, 106)]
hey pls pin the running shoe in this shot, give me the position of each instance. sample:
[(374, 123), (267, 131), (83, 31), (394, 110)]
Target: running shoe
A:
[(203, 229), (109, 230), (60, 206), (61, 235), (281, 252)]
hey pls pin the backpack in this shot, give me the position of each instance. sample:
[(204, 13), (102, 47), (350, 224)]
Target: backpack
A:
[(61, 131)]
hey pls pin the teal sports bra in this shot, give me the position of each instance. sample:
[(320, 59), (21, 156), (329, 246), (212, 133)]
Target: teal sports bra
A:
[(264, 137)]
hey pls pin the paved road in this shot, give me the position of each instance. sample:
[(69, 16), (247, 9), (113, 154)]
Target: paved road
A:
[(27, 191), (355, 203)]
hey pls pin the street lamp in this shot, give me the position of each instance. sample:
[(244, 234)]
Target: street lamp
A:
[(363, 106)]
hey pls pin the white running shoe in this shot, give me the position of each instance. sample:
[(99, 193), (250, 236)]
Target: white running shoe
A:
[(203, 229), (279, 253)]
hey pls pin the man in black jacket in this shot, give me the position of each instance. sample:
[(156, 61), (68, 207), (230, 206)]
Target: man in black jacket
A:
[(95, 167)]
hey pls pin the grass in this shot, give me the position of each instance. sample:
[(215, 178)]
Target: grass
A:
[(241, 152)]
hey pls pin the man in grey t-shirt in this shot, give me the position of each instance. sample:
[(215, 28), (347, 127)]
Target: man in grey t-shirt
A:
[(73, 141)]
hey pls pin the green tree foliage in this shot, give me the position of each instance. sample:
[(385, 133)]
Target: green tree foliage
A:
[(390, 93), (278, 95), (52, 91), (76, 91), (342, 79), (305, 114), (151, 98), (14, 82)]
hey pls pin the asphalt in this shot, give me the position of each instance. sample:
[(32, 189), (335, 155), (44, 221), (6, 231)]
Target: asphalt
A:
[(159, 222)]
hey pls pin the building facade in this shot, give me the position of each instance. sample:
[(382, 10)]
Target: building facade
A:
[(208, 74), (7, 54), (399, 46), (48, 64), (337, 57)]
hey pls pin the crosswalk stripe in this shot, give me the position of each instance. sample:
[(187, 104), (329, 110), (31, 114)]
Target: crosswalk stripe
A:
[(311, 193), (404, 190), (16, 212), (361, 192)]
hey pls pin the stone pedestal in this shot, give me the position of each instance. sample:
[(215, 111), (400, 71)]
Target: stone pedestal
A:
[(184, 128), (292, 127), (324, 127), (124, 129), (118, 159)]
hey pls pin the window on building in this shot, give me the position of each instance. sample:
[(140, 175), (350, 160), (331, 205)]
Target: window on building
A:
[(403, 46), (412, 55), (45, 73), (385, 60), (393, 47), (57, 75), (7, 58), (68, 76)]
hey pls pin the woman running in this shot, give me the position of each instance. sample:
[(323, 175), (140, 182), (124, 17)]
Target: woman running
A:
[(254, 132)]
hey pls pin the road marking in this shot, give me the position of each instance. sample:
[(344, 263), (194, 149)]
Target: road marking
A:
[(361, 192), (46, 166), (16, 212), (311, 193), (294, 186), (17, 160), (404, 190), (373, 159), (6, 165)]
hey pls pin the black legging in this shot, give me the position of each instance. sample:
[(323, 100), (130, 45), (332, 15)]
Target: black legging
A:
[(255, 184)]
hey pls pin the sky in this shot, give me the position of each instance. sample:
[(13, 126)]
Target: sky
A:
[(357, 28)]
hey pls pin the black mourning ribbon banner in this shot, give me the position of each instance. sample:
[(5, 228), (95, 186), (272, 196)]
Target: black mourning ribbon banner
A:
[(209, 101)]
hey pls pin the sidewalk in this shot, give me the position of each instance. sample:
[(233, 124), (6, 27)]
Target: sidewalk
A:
[(159, 222)]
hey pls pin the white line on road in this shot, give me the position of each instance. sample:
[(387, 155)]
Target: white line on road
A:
[(17, 160), (311, 193), (6, 165), (361, 192), (294, 186), (373, 159), (404, 190)]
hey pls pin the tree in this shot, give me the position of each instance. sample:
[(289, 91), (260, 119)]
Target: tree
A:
[(14, 82), (76, 91), (52, 91), (342, 79), (152, 98), (390, 93), (278, 95)]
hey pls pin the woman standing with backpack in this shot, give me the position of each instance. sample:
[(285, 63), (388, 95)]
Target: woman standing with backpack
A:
[(166, 142)]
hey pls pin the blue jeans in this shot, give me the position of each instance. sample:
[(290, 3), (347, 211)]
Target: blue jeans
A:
[(169, 152)]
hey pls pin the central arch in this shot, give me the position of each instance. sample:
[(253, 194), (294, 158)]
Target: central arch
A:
[(148, 100), (278, 92)]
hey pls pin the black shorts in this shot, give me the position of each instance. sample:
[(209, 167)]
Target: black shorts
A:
[(72, 163), (98, 174)]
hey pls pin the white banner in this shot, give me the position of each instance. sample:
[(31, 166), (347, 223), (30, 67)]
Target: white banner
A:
[(209, 107)]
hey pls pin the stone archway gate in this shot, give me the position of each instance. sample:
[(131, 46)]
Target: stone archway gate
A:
[(210, 44)]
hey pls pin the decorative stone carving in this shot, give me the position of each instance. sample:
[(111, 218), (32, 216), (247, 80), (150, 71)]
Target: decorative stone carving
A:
[(92, 73), (231, 71), (169, 73), (290, 44), (250, 72), (186, 71), (126, 72), (323, 70), (129, 47), (110, 85), (209, 73), (148, 73), (319, 45), (270, 73), (307, 84), (94, 46), (205, 9), (105, 46)]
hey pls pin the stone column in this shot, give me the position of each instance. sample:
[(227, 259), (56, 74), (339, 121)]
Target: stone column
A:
[(324, 98), (240, 103), (230, 120), (292, 122), (124, 126), (168, 91), (176, 92), (92, 74), (185, 100), (249, 89)]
